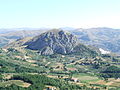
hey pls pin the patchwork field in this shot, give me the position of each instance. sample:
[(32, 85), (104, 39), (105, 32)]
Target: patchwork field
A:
[(16, 82), (86, 77)]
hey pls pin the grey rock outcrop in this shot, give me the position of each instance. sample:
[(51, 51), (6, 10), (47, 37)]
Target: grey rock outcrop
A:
[(54, 41)]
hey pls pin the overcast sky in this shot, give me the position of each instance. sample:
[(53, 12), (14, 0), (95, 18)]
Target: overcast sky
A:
[(59, 13)]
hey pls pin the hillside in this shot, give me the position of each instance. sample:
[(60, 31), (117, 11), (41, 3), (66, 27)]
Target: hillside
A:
[(105, 38), (74, 65), (72, 71), (12, 35)]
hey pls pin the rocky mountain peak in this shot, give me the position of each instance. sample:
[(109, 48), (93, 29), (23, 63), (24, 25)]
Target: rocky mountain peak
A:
[(58, 42), (53, 41)]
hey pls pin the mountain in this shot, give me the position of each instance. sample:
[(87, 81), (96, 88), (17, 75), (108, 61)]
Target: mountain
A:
[(105, 38), (12, 35), (10, 30), (55, 42), (67, 28)]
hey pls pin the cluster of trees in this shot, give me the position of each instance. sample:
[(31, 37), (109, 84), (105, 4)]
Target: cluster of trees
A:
[(1, 77), (38, 82), (9, 67), (111, 72)]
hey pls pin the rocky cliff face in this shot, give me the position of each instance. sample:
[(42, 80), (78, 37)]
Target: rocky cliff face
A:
[(54, 41), (57, 42)]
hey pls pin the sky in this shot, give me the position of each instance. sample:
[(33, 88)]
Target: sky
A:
[(59, 13)]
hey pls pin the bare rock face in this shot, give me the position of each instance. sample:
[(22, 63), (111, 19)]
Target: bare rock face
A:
[(55, 42), (47, 51)]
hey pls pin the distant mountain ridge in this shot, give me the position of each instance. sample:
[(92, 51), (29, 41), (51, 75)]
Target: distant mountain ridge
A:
[(105, 38), (9, 36)]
